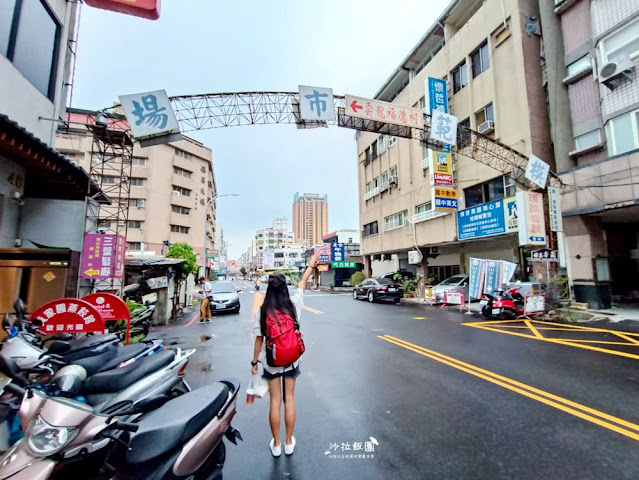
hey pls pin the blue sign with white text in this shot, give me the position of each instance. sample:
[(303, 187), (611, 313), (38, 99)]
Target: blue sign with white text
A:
[(337, 251), (481, 221), (437, 92)]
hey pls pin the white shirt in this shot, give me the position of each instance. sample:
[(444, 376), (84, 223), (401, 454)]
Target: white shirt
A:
[(206, 286), (298, 302)]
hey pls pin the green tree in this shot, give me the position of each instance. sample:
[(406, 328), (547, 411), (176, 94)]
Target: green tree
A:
[(243, 271), (185, 252), (357, 278)]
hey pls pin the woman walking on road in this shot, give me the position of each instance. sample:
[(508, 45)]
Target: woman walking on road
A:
[(278, 300)]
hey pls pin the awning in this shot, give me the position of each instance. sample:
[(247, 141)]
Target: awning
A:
[(49, 174)]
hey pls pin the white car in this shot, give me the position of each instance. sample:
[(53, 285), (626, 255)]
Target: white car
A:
[(456, 282)]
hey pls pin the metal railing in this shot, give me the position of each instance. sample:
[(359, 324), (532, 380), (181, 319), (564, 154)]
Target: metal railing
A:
[(428, 215)]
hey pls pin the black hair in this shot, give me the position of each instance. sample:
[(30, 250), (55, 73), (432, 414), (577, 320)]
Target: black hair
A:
[(277, 298), (202, 278)]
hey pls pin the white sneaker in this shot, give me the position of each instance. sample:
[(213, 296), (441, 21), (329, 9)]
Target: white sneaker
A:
[(276, 451), (289, 449)]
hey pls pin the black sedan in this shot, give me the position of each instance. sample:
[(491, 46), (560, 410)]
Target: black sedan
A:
[(378, 289), (224, 297)]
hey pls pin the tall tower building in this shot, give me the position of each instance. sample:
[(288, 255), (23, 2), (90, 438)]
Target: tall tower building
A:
[(310, 218)]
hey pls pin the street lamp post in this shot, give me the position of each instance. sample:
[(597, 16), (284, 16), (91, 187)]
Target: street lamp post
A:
[(206, 208)]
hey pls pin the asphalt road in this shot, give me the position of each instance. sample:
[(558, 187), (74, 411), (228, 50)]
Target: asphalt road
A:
[(516, 407)]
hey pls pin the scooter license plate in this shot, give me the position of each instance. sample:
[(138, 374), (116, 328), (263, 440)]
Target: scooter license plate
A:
[(496, 311), (219, 307), (483, 302)]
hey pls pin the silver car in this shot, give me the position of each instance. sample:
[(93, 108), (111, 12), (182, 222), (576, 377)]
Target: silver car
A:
[(456, 282)]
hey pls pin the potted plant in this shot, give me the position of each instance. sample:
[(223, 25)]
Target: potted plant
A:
[(332, 287)]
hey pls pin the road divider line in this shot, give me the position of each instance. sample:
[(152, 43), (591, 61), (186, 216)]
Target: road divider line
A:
[(312, 310), (582, 411), (533, 329), (626, 337)]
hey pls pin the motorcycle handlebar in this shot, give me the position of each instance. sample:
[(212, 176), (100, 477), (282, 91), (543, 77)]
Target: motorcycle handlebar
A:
[(124, 426), (14, 389)]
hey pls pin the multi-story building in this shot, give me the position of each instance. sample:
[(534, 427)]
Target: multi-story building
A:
[(593, 93), (488, 51), (172, 194), (310, 218), (43, 195), (287, 257), (269, 239)]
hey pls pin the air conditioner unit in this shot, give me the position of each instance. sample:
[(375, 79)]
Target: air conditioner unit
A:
[(620, 67), (486, 127), (392, 180)]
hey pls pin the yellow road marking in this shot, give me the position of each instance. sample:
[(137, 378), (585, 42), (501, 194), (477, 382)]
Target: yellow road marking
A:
[(533, 329), (626, 337), (420, 318), (312, 310), (568, 406)]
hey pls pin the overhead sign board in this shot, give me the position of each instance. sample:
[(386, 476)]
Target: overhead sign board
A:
[(103, 256), (537, 171), (445, 199), (492, 218), (316, 104), (386, 112), (443, 127), (554, 209), (150, 115), (532, 225)]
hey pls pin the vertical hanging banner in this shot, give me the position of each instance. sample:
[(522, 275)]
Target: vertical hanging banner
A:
[(554, 209), (437, 94), (507, 271), (493, 276), (530, 213), (476, 280)]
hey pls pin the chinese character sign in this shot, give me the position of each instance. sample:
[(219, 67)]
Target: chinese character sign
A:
[(532, 225), (386, 112), (537, 171), (492, 280), (476, 281), (484, 220), (100, 256), (437, 94), (554, 209), (149, 114), (337, 252), (316, 103), (68, 315), (325, 252), (445, 199), (120, 251), (443, 127)]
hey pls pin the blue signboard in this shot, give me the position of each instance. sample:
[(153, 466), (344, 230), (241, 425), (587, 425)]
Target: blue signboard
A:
[(493, 276), (446, 204), (481, 221), (337, 252), (477, 270), (437, 93)]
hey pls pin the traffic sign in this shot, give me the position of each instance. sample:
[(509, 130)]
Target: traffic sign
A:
[(386, 112)]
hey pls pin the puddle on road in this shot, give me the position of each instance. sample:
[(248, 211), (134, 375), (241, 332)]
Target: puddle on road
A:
[(205, 367), (205, 338)]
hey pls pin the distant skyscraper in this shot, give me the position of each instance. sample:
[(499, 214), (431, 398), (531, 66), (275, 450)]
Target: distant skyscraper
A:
[(310, 218)]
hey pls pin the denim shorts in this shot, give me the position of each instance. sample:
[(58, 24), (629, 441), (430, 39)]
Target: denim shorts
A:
[(292, 373)]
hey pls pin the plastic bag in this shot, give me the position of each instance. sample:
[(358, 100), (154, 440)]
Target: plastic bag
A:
[(257, 387)]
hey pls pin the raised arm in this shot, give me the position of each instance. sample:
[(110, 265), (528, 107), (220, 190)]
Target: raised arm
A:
[(309, 270)]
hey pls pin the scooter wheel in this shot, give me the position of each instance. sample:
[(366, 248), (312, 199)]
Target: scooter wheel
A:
[(486, 311)]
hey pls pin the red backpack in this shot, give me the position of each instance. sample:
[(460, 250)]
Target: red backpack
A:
[(284, 344)]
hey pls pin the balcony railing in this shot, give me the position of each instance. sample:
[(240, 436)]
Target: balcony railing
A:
[(371, 194), (428, 215)]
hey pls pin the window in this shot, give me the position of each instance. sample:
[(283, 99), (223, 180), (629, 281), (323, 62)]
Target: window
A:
[(375, 182), (181, 210), (463, 135), (177, 191), (139, 162), (395, 221), (384, 177), (203, 180), (460, 77), (183, 154), (135, 224), (624, 41), (480, 60), (179, 229), (382, 144), (484, 115), (134, 245), (393, 171), (32, 42), (424, 207), (374, 150), (137, 202), (369, 187), (495, 189), (623, 133), (137, 182), (422, 103), (392, 140), (108, 180), (588, 140), (370, 229), (181, 172)]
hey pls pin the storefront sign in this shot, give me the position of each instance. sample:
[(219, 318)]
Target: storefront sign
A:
[(445, 199), (510, 214), (544, 255), (454, 297), (535, 304), (441, 168), (158, 282), (68, 315), (111, 308), (554, 209), (337, 252), (537, 171), (532, 226), (150, 115), (437, 94), (493, 276), (343, 264), (443, 127), (102, 256), (476, 280), (386, 112), (139, 8), (483, 220), (325, 252)]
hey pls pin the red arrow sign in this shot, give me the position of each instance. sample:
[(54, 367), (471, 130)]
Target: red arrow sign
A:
[(355, 106)]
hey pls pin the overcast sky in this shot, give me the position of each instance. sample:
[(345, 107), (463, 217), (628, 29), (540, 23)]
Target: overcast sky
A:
[(211, 46)]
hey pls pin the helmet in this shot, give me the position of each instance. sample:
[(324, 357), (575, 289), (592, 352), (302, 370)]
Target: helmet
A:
[(67, 381)]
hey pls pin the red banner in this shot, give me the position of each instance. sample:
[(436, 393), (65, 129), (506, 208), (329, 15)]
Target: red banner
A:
[(139, 8), (111, 308), (68, 315)]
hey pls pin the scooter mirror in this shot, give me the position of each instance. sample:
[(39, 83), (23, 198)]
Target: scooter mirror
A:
[(6, 322), (37, 322), (19, 308), (59, 347)]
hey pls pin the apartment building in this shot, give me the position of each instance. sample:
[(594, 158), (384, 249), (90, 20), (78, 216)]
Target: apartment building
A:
[(310, 218), (172, 196), (489, 54), (593, 93), (267, 240)]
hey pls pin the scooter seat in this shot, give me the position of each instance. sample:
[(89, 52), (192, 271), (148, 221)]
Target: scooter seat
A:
[(118, 379), (110, 359), (176, 422), (89, 346)]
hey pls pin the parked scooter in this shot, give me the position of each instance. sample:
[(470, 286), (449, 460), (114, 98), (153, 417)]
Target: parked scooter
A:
[(504, 305)]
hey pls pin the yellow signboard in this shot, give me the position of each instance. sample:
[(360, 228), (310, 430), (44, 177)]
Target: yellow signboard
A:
[(445, 192), (445, 199), (442, 163)]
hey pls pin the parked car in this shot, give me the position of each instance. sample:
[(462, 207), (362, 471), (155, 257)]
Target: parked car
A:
[(224, 297), (375, 289), (456, 282)]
